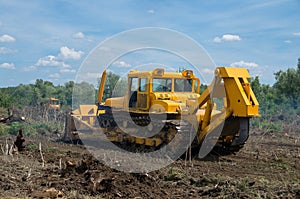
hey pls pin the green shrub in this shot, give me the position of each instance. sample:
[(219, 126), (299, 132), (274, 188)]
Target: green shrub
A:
[(46, 127), (3, 129), (32, 146), (26, 128), (271, 126)]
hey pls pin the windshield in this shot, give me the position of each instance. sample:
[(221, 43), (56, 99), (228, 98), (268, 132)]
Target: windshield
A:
[(165, 85), (183, 85), (162, 84)]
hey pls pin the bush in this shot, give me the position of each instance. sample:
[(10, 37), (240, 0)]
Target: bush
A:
[(44, 128), (271, 126), (3, 129), (28, 129)]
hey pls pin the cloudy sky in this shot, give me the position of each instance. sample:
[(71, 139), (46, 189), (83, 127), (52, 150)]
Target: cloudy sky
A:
[(50, 39)]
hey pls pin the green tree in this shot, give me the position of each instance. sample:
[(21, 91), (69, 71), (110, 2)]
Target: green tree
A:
[(287, 87), (83, 93), (114, 86), (5, 99), (69, 86)]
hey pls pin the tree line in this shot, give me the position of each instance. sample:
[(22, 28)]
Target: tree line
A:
[(279, 104)]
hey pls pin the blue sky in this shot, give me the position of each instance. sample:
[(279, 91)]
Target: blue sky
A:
[(50, 39)]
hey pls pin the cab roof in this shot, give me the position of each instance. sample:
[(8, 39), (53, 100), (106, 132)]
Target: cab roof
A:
[(160, 73)]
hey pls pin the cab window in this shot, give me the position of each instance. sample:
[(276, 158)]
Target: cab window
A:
[(183, 85), (196, 86), (162, 84), (133, 84), (143, 84)]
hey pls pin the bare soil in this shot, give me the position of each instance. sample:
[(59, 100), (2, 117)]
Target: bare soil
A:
[(267, 167)]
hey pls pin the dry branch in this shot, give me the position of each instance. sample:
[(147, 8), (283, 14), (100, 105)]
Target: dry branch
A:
[(10, 152), (42, 157), (6, 147), (29, 174), (59, 163)]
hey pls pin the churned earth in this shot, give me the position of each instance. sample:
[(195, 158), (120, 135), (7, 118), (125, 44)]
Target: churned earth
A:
[(267, 167)]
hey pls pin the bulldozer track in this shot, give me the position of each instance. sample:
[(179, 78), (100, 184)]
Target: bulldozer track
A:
[(167, 130)]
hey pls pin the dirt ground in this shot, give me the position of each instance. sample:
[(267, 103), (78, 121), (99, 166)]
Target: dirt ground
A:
[(267, 167)]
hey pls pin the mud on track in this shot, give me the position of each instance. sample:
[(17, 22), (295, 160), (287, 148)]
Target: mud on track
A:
[(267, 167)]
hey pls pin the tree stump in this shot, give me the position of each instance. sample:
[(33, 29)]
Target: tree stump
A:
[(19, 141)]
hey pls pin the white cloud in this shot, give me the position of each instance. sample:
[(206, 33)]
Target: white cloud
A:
[(288, 41), (67, 70), (68, 53), (7, 66), (217, 39), (244, 64), (121, 64), (151, 11), (65, 53), (54, 76), (231, 38), (50, 60), (57, 61), (296, 33), (7, 38), (78, 35), (4, 50), (227, 37)]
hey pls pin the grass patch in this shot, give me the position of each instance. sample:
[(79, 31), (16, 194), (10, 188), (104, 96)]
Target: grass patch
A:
[(174, 174), (50, 148), (32, 146)]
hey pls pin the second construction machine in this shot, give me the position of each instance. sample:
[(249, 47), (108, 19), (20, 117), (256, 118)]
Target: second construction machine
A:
[(160, 105)]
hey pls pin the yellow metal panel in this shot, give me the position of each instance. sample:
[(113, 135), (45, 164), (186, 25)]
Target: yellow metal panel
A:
[(152, 141), (139, 140), (239, 98), (165, 106), (100, 112), (233, 72), (117, 102), (101, 87)]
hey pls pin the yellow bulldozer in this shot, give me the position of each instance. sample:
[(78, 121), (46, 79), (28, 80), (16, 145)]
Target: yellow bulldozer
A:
[(53, 104), (172, 102), (159, 105)]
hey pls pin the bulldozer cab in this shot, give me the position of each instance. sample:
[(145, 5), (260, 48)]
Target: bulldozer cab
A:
[(145, 87), (53, 104)]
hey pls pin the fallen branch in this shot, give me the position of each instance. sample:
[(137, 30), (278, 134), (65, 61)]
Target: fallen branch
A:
[(10, 152), (6, 147), (29, 174), (42, 157), (59, 163)]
